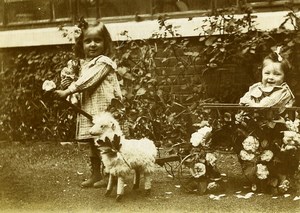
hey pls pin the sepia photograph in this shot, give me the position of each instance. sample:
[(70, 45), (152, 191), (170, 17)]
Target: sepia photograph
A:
[(142, 106)]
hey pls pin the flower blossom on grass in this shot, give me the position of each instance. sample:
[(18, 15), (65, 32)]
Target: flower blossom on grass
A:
[(250, 144), (48, 85), (212, 185), (201, 136), (284, 186), (262, 171), (199, 170)]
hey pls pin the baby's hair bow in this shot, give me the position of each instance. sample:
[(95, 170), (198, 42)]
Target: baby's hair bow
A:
[(277, 51)]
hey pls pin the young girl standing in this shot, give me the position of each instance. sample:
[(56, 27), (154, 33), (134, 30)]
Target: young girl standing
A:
[(97, 84)]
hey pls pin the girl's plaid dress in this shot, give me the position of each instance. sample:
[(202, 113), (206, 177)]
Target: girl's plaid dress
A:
[(98, 85)]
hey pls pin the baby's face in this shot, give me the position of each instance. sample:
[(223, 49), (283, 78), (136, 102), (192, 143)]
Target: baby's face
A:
[(272, 75)]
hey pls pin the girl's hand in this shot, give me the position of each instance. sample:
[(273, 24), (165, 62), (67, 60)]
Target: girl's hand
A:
[(62, 93)]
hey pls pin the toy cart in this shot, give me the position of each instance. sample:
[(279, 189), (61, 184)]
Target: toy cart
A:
[(196, 174), (194, 166)]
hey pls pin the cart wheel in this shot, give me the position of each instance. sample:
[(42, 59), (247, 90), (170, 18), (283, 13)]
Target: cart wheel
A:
[(171, 168), (187, 181)]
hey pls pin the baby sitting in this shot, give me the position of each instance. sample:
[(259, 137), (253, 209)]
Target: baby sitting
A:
[(272, 91), (267, 150)]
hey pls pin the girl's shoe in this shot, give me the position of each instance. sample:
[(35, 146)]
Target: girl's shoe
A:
[(100, 184), (96, 173)]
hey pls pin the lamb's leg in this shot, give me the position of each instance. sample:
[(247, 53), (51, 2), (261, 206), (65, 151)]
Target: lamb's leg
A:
[(148, 180), (110, 185), (120, 188), (136, 180)]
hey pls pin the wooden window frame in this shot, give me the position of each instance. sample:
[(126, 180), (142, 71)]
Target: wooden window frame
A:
[(51, 20), (74, 10)]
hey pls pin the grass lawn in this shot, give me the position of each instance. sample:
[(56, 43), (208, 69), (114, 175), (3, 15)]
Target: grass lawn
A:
[(45, 177)]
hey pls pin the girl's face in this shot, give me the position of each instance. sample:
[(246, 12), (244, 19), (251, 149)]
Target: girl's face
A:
[(272, 75), (93, 43)]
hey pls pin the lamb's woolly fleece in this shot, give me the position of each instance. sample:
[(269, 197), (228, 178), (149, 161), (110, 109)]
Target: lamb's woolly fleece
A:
[(133, 154), (105, 125)]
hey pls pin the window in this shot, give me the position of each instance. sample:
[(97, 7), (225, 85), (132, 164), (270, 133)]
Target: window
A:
[(110, 8), (28, 11), (117, 8), (269, 2), (1, 12), (46, 11), (61, 9), (163, 6), (274, 5)]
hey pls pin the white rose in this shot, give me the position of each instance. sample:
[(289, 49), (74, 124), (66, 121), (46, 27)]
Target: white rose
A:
[(267, 155), (262, 171), (206, 132), (198, 170), (195, 139), (250, 144), (288, 147), (211, 159), (289, 134), (212, 185), (293, 125), (297, 138), (291, 138), (285, 185), (48, 85), (246, 156), (201, 136)]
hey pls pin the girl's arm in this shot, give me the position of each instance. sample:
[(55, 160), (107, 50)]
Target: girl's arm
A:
[(90, 77), (63, 93)]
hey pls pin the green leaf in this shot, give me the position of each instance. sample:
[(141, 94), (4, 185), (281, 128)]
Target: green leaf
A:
[(210, 40), (141, 91), (193, 54), (122, 70)]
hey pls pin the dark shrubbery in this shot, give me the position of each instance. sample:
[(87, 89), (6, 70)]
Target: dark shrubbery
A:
[(163, 80), (26, 114)]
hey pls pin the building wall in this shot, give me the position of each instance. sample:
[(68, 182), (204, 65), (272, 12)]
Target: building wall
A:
[(226, 83)]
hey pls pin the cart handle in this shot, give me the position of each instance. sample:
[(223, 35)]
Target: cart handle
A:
[(77, 109), (238, 106)]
